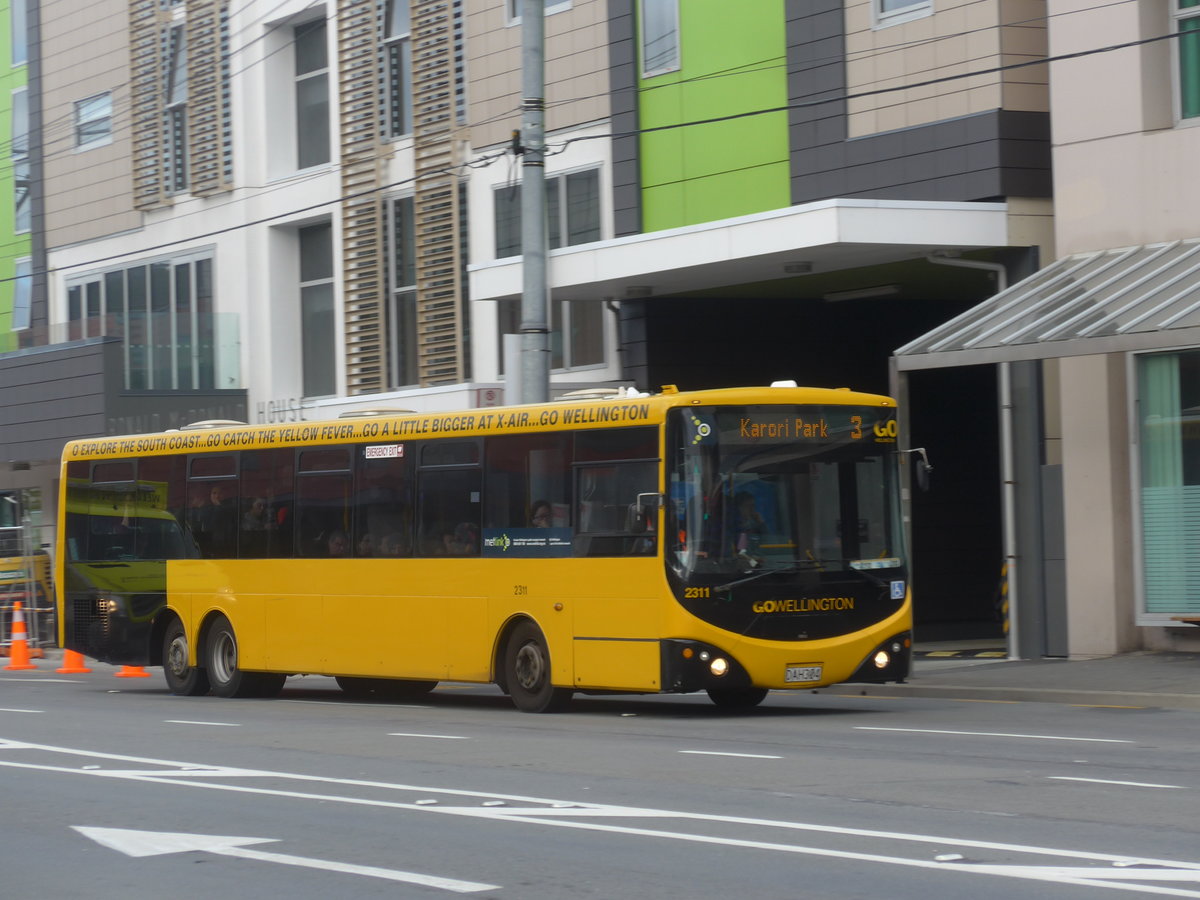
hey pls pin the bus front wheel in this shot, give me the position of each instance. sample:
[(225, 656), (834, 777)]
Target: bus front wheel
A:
[(227, 680), (183, 679), (737, 698), (527, 672)]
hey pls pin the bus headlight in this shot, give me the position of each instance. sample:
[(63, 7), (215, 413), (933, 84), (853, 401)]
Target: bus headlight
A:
[(718, 666), (882, 659)]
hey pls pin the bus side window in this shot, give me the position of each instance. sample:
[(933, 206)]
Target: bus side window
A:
[(323, 499), (450, 508), (608, 523), (383, 506), (525, 470)]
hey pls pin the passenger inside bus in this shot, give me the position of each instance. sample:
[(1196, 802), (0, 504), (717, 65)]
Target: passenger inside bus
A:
[(541, 515), (463, 540), (393, 545), (750, 527), (338, 544)]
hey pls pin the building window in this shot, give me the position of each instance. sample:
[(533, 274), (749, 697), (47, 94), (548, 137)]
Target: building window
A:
[(163, 312), (576, 332), (1187, 24), (176, 110), (312, 94), (1168, 393), (893, 12), (397, 47), (20, 24), (572, 212), (660, 37), (551, 6), (93, 120), (22, 293), (402, 303), (317, 327), (20, 157)]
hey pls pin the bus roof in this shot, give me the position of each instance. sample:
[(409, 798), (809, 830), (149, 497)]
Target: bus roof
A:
[(569, 413)]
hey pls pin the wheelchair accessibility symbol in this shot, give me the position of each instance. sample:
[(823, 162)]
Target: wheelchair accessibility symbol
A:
[(897, 590)]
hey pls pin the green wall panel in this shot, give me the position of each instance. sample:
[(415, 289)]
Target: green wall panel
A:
[(12, 246), (731, 62)]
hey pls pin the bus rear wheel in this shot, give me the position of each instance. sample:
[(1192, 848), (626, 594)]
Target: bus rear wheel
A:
[(226, 679), (527, 672), (182, 679), (737, 698)]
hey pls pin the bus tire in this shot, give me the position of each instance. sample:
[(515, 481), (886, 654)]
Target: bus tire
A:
[(182, 679), (527, 672), (226, 679), (737, 698)]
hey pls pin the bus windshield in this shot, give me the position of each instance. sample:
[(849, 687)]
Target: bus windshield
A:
[(760, 489)]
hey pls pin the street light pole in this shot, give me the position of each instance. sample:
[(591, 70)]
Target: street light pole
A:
[(535, 331)]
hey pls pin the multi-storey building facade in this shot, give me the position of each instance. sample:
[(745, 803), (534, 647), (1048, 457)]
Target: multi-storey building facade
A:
[(1101, 343), (285, 211)]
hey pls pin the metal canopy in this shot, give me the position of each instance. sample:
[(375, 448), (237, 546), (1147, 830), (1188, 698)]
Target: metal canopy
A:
[(1134, 298)]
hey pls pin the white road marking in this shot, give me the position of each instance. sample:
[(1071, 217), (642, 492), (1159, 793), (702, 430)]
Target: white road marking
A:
[(214, 724), (440, 737), (554, 813), (1177, 787), (23, 710), (1036, 737), (155, 843), (742, 755)]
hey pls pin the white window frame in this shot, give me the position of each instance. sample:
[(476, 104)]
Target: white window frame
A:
[(22, 210), (325, 74), (559, 337), (1180, 14), (401, 41), (401, 302), (900, 11), (329, 281), (84, 118), (175, 111), (674, 65), (22, 294), (560, 180), (513, 9), (18, 12)]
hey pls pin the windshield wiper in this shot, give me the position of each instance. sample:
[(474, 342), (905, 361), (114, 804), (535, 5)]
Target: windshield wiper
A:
[(798, 567)]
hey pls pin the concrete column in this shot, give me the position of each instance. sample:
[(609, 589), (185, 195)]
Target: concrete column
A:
[(1097, 506)]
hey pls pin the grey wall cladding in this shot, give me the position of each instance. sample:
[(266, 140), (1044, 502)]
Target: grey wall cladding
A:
[(988, 156)]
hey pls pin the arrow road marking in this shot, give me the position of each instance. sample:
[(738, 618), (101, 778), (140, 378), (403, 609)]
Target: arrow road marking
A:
[(155, 843), (1095, 870)]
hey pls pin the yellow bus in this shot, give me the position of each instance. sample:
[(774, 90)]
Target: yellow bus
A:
[(733, 541)]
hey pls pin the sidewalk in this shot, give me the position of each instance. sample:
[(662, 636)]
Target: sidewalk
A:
[(1143, 678)]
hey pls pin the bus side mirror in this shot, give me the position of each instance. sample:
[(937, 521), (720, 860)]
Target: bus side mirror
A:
[(921, 467)]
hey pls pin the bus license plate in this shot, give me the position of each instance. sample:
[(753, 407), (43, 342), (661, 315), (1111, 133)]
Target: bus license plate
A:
[(801, 674)]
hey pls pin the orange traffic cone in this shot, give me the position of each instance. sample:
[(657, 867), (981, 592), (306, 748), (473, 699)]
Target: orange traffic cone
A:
[(19, 651), (72, 664), (132, 672)]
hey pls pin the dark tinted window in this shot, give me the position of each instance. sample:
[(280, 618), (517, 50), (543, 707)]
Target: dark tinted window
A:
[(616, 443)]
